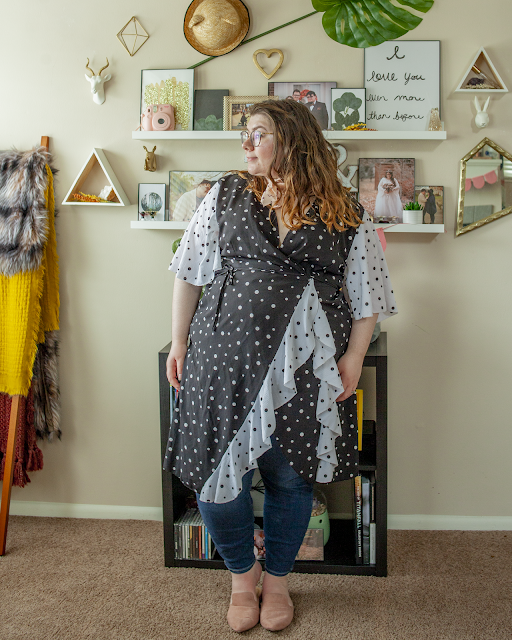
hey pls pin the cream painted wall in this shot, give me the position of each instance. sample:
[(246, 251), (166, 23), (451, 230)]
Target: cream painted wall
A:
[(450, 368)]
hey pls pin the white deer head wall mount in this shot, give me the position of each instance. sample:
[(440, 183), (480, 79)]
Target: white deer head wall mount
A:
[(97, 82)]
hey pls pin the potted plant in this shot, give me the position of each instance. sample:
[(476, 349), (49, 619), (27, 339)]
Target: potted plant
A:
[(413, 213)]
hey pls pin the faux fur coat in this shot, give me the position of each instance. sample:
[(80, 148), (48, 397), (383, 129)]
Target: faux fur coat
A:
[(29, 300)]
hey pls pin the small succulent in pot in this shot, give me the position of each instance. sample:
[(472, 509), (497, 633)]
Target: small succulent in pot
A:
[(413, 206)]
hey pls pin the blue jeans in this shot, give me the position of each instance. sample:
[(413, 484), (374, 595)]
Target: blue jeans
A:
[(286, 514)]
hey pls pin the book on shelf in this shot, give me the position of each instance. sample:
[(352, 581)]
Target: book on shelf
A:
[(365, 503), (364, 519), (358, 519), (191, 538), (311, 549), (373, 525)]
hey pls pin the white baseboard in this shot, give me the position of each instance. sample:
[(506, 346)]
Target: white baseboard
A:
[(102, 511), (460, 523), (96, 511)]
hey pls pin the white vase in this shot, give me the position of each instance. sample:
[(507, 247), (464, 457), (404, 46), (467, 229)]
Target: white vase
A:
[(413, 216)]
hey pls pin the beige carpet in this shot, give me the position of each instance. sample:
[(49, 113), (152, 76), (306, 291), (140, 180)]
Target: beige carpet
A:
[(73, 579)]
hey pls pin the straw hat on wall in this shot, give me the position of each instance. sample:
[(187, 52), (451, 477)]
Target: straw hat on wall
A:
[(216, 27)]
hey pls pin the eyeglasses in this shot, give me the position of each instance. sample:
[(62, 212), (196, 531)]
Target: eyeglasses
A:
[(254, 137)]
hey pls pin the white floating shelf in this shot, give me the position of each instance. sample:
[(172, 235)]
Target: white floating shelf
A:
[(411, 228), (330, 135), (388, 228), (158, 224), (385, 135)]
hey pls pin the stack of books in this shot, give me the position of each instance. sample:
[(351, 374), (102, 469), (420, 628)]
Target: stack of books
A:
[(364, 488), (191, 538)]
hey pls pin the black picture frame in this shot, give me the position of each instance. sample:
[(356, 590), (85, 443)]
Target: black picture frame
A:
[(209, 109)]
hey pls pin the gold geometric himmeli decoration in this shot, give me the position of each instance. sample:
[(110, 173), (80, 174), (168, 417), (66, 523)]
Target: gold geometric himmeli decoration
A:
[(132, 36)]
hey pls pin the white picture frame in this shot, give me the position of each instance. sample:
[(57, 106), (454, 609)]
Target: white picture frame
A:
[(151, 201), (402, 82), (298, 91), (353, 100), (170, 86)]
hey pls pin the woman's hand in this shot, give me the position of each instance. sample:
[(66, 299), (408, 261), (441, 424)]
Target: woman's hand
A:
[(174, 366), (184, 303), (350, 366)]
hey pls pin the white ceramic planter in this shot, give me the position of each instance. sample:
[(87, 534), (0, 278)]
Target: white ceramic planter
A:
[(413, 216)]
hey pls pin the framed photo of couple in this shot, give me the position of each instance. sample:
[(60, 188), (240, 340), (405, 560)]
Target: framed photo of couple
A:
[(236, 111), (314, 95), (431, 200)]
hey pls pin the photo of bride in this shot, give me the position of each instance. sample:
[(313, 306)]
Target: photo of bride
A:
[(386, 185), (388, 203)]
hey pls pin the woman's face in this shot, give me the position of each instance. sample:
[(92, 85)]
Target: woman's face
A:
[(388, 174), (259, 158)]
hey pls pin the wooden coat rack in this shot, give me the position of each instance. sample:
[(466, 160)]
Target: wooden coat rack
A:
[(11, 446)]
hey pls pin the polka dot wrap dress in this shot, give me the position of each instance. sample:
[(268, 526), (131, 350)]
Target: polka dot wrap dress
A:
[(264, 342)]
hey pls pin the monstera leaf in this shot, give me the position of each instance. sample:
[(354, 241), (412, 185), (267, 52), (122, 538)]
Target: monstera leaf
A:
[(366, 23)]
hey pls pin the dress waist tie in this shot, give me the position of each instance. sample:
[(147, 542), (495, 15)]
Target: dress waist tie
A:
[(228, 271)]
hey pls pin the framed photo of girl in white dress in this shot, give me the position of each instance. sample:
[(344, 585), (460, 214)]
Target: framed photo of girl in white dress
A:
[(386, 185)]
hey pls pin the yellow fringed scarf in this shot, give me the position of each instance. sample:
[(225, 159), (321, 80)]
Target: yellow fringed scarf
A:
[(29, 306)]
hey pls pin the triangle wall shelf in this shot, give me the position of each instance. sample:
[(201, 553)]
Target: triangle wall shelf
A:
[(481, 62), (97, 158)]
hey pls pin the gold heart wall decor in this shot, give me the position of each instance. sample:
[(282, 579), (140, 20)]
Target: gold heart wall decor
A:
[(268, 53)]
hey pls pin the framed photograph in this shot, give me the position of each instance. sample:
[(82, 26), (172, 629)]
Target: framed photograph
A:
[(187, 190), (386, 185), (209, 109), (152, 201), (259, 544), (170, 86), (312, 547), (348, 107), (315, 95), (236, 111), (431, 199), (402, 81)]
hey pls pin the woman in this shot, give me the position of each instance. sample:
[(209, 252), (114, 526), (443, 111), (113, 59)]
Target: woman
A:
[(388, 203), (430, 207), (273, 347)]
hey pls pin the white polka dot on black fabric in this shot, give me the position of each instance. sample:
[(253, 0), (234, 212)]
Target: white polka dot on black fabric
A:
[(244, 316)]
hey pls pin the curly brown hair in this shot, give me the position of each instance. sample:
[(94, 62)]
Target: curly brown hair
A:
[(308, 166)]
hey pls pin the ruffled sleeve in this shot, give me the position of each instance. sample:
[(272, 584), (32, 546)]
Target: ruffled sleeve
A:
[(198, 256), (367, 282)]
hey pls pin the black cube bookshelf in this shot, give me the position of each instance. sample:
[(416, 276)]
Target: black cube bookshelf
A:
[(339, 552)]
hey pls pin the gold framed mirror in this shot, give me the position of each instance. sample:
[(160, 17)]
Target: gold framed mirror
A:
[(485, 192)]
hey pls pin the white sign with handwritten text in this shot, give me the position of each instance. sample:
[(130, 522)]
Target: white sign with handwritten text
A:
[(402, 84)]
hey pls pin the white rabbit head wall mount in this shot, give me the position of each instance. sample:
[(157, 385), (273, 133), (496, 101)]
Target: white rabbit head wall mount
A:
[(482, 117)]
